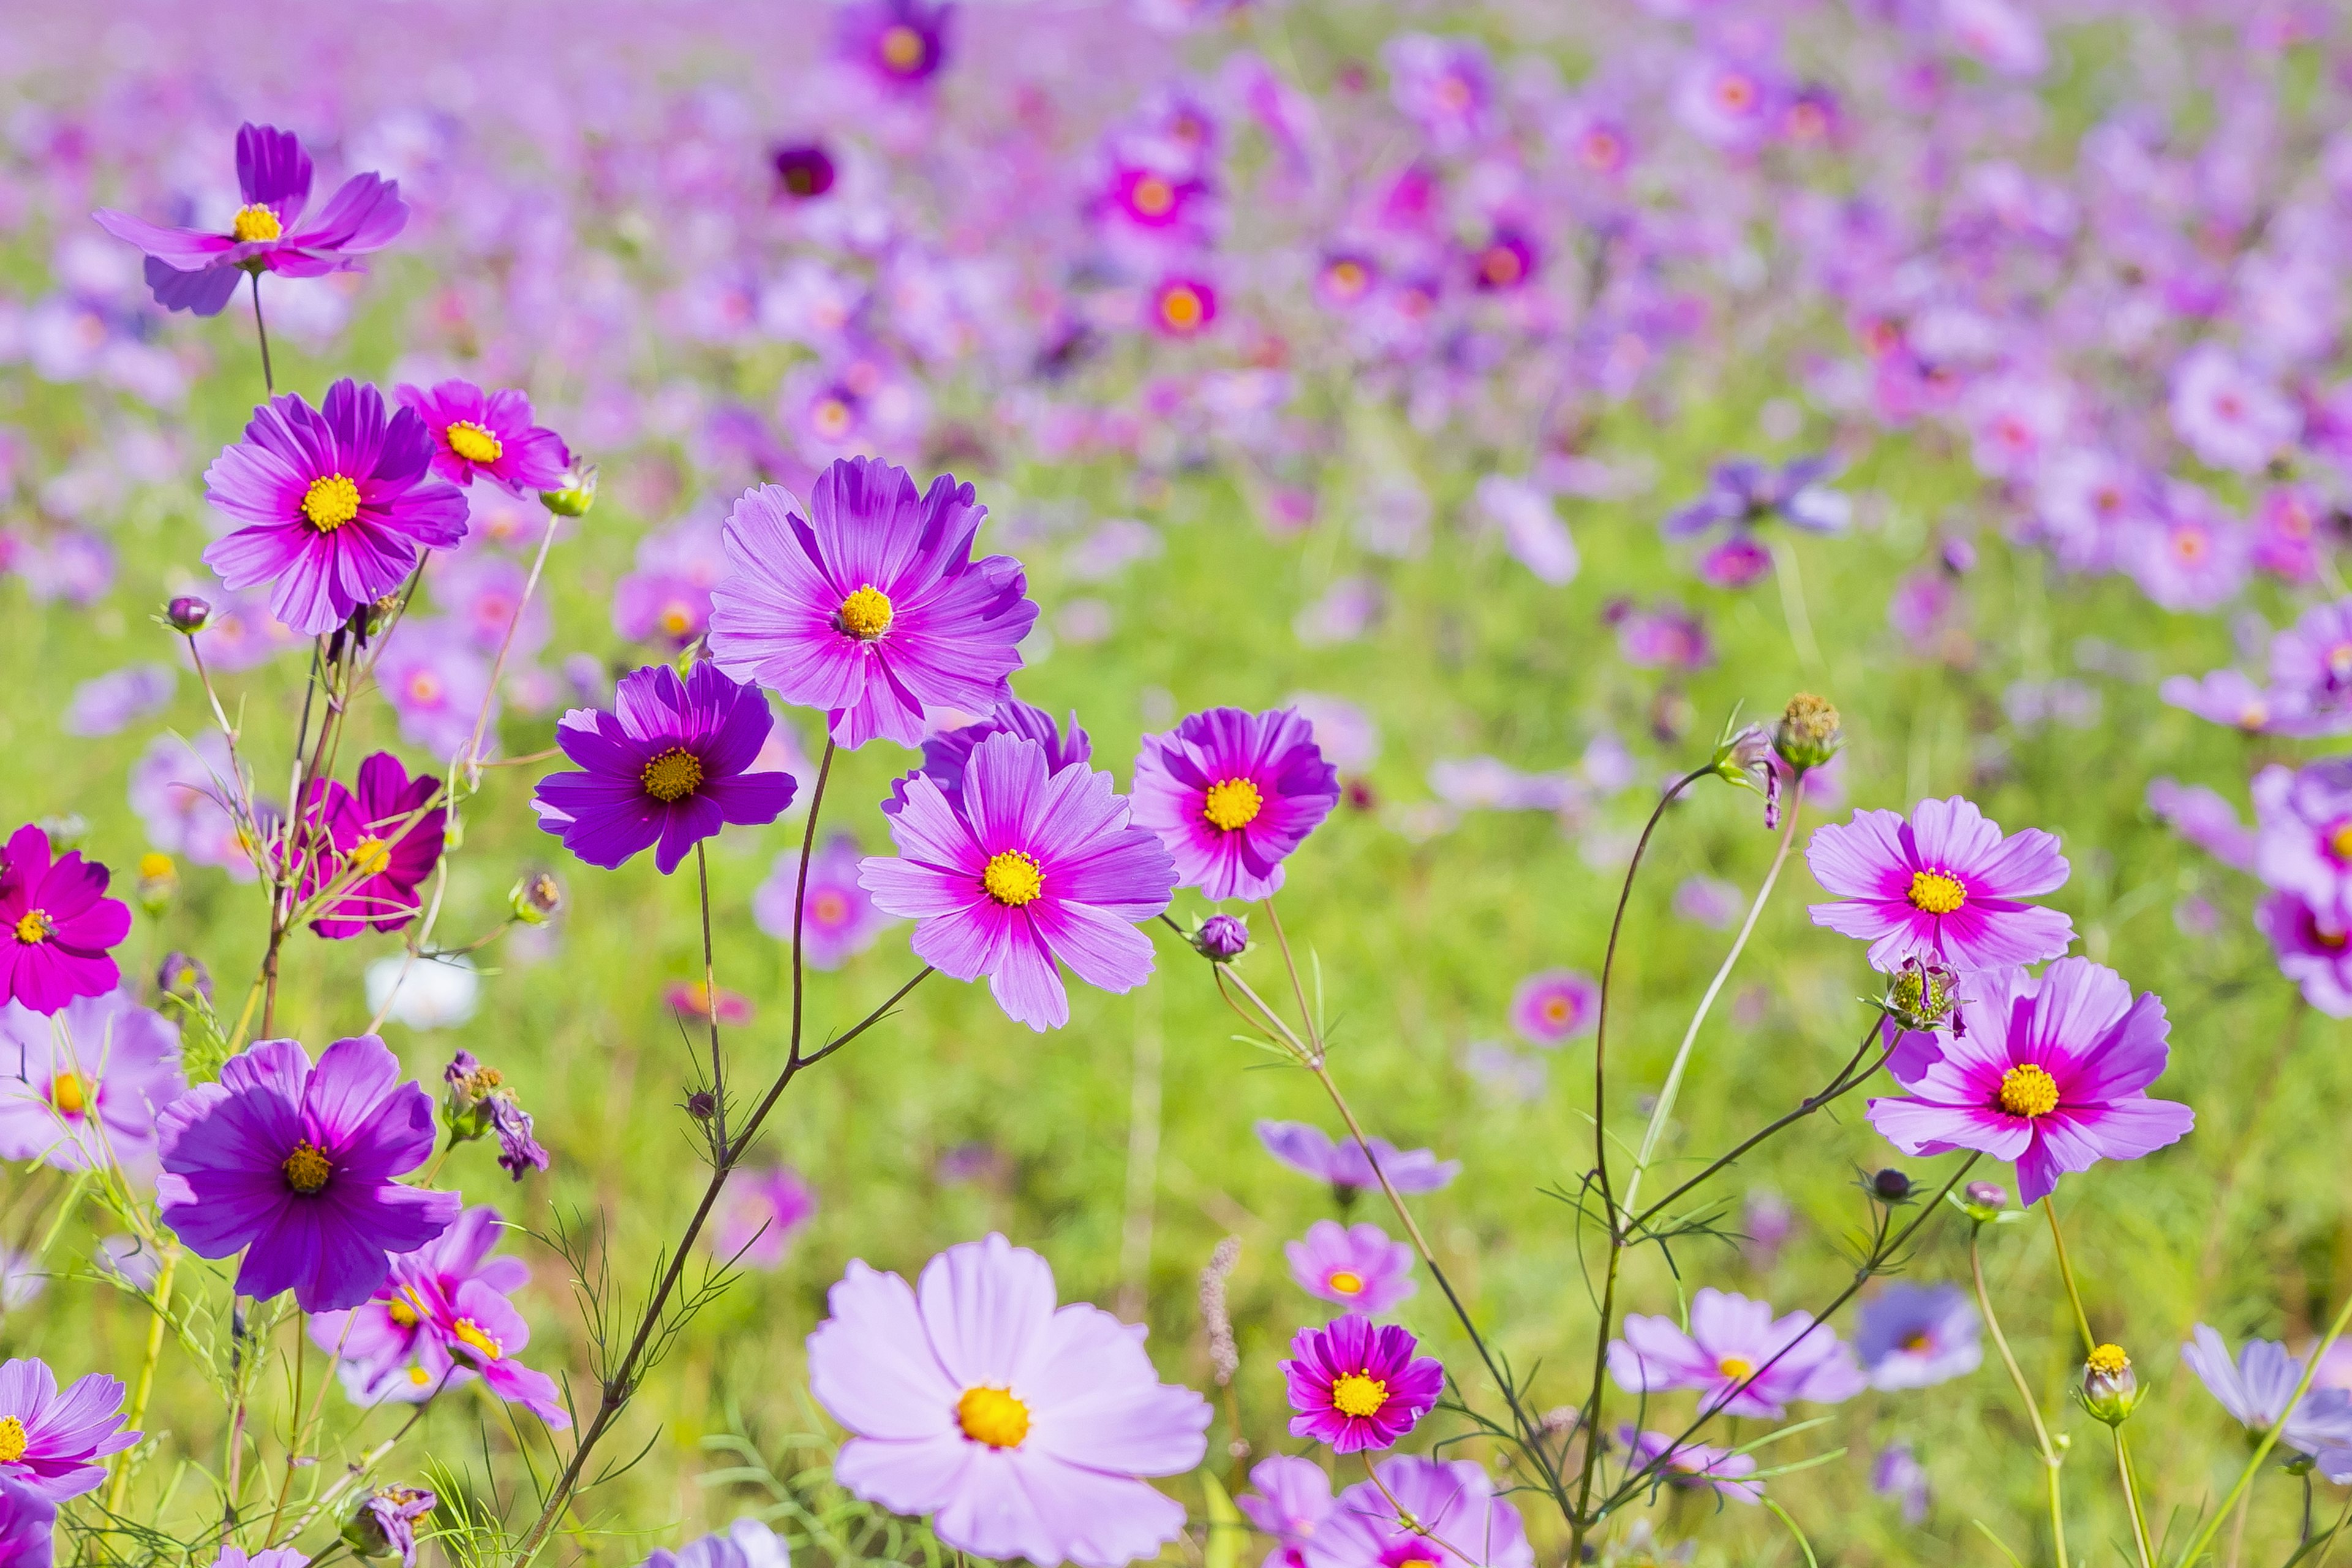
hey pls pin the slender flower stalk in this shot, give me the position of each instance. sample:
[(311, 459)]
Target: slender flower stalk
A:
[(2269, 1440), (2051, 1459)]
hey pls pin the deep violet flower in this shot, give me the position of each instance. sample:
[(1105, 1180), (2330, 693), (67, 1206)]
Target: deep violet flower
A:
[(1232, 793), (1743, 1360), (363, 840), (2316, 954), (1310, 1150), (336, 501), (1357, 1386), (86, 1096), (50, 1443), (1452, 1500), (1292, 1500), (867, 602), (56, 925), (384, 1523), (1742, 493), (1028, 868), (2254, 1389), (840, 921), (1356, 1265), (945, 753), (1023, 1428), (2050, 1075), (665, 770), (1697, 1465), (488, 435), (297, 1166), (190, 269), (1915, 1336), (27, 1528), (1943, 885), (746, 1543), (805, 170)]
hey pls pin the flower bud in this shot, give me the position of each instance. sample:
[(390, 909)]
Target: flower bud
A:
[(466, 1107), (66, 832), (1221, 939), (1891, 1186), (184, 977), (536, 899), (576, 494), (187, 615), (385, 1521), (159, 879), (701, 1104), (1923, 996), (1983, 1202), (1808, 733), (2109, 1387)]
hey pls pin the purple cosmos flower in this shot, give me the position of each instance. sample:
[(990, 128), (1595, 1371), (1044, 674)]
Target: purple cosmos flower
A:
[(805, 170), (1897, 1473), (1356, 1265), (1452, 1500), (1554, 1006), (336, 500), (50, 1443), (56, 925), (1532, 531), (1309, 1148), (2311, 669), (2303, 824), (1029, 867), (1710, 902), (660, 606), (1742, 1359), (2205, 819), (234, 1556), (1022, 1427), (84, 1096), (746, 1543), (483, 591), (2189, 555), (365, 832), (760, 1214), (1180, 307), (2050, 1075), (2228, 696), (903, 43), (868, 605), (297, 1166), (2312, 953), (1221, 939), (118, 699), (180, 790), (1665, 636), (488, 435), (385, 1522), (1915, 1336), (438, 683), (1943, 885), (1232, 793), (1742, 493), (2230, 417), (945, 754), (1695, 1465), (2255, 1389), (189, 269), (27, 1527), (1445, 86), (840, 922), (1292, 1501), (1356, 1386), (665, 770)]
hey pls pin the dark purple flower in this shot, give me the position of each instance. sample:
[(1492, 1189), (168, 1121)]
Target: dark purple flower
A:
[(190, 269), (56, 925), (1310, 1150), (337, 501), (362, 839), (27, 1527), (804, 169), (945, 753), (50, 1443), (518, 1149), (1743, 493), (488, 435), (298, 1167), (1222, 938), (1232, 793), (385, 1522), (1355, 1386), (665, 770)]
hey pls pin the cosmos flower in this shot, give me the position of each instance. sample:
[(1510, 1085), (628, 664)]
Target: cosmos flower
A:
[(946, 753), (1027, 868), (840, 920), (385, 1521), (1945, 886), (2316, 954), (2311, 669), (27, 1527), (1232, 793), (1742, 493), (365, 832), (2303, 822), (1452, 1500), (179, 789), (805, 170), (489, 436), (50, 1443), (902, 43), (1444, 86), (868, 604), (1292, 1500), (1020, 1428), (336, 500), (56, 925), (191, 269), (1180, 307), (2229, 697), (2050, 1075), (1355, 1385), (759, 1215), (1741, 1359), (1357, 1266), (2204, 820), (2230, 417), (2256, 1388), (1694, 1465), (665, 770), (1310, 1150), (114, 701), (746, 1543), (1915, 1336), (84, 1096), (438, 683), (297, 1166)]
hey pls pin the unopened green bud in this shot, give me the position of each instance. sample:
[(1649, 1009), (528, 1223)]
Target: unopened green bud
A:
[(2109, 1387), (1808, 733), (576, 494)]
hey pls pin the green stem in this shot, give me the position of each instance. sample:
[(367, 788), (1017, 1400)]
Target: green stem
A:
[(2270, 1439), (2050, 1459)]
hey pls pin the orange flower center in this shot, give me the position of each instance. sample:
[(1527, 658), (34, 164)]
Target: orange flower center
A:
[(66, 1094)]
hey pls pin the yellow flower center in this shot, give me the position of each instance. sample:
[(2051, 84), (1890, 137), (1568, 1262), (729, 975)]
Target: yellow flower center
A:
[(307, 1168), (154, 866), (255, 222), (991, 1415), (2027, 1090), (34, 926), (332, 501), (471, 1333), (418, 1377), (401, 1310), (2340, 842), (1013, 879), (1348, 278), (1346, 1282), (1358, 1395), (1919, 1343), (1231, 804), (1152, 196), (1181, 308), (673, 774), (1738, 1369), (370, 856), (2108, 1360), (832, 416), (902, 48), (473, 443), (64, 1093), (864, 615), (1937, 893), (676, 619), (12, 1440)]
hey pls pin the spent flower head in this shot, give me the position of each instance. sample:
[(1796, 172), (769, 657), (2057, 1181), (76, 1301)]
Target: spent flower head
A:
[(1809, 733)]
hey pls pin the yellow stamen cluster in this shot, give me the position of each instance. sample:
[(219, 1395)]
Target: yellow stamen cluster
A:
[(307, 1168), (1937, 893), (370, 856), (66, 1094), (864, 615), (673, 774), (473, 443), (12, 1440), (1345, 1282), (2027, 1090), (1737, 1369), (34, 926), (2107, 1360), (471, 1333), (1182, 308), (1358, 1395), (1013, 879), (255, 222), (1152, 196), (1231, 804), (902, 48), (991, 1415), (332, 501)]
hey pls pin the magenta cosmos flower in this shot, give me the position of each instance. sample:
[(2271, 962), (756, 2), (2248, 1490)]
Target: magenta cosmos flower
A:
[(191, 269), (1466, 1525), (50, 1443), (1292, 1500), (1028, 868), (2303, 824), (2311, 952), (945, 753), (868, 603), (1741, 1359), (337, 500), (665, 770), (1356, 1265), (1944, 887), (298, 1167), (2051, 1076), (56, 925), (362, 839), (841, 921), (1020, 1428), (1308, 1149), (1232, 793), (27, 1527), (489, 436), (1554, 1006), (84, 1096), (1355, 1384), (759, 1215), (1696, 1465)]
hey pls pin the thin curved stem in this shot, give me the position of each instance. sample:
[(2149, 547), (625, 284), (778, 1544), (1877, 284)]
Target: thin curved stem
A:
[(2269, 1440), (2067, 1272), (2050, 1458), (710, 1003), (261, 331)]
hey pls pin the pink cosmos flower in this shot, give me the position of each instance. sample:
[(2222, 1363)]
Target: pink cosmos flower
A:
[(362, 837), (1309, 1148), (438, 683), (2316, 953), (840, 921), (1356, 1265), (1454, 1501), (59, 1438), (1232, 793), (2051, 1075), (759, 1215), (1554, 1006), (1741, 1359), (2230, 417), (56, 925), (1020, 1428), (1292, 1500), (2302, 823), (488, 435), (1945, 886), (1356, 1386), (84, 1096)]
